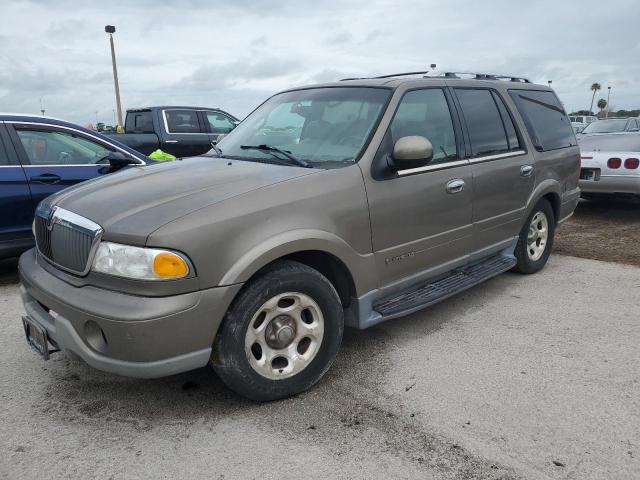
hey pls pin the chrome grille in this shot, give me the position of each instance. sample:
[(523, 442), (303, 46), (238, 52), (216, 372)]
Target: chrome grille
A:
[(67, 240)]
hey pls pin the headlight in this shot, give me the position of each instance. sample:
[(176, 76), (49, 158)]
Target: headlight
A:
[(139, 263)]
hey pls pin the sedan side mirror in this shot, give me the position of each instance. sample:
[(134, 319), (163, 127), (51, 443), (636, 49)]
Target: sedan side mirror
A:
[(412, 152), (118, 160)]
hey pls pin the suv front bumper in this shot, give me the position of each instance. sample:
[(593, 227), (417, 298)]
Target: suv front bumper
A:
[(145, 337)]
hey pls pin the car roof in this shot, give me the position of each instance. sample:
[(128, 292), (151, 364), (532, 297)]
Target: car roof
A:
[(401, 81), (156, 107), (178, 107)]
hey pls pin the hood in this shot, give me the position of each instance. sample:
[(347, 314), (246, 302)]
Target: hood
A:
[(132, 203), (610, 142)]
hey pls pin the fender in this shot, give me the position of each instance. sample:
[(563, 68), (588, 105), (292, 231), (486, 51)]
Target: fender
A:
[(543, 188), (361, 266)]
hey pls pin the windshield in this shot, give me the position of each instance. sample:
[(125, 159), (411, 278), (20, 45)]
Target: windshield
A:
[(606, 126), (324, 127)]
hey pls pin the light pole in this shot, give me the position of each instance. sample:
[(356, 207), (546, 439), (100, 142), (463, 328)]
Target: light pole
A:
[(606, 115), (110, 29), (41, 107), (549, 82)]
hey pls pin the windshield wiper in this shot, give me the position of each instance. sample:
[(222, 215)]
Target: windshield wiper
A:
[(216, 148), (273, 150)]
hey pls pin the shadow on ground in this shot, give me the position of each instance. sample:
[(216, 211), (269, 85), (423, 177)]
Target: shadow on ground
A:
[(8, 271)]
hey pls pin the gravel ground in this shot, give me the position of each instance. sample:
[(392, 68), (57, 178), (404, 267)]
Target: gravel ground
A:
[(522, 377), (602, 230)]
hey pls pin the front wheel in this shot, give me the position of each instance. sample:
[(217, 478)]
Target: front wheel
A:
[(281, 333), (536, 239)]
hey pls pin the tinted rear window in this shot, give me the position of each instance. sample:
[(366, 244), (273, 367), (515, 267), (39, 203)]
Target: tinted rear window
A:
[(139, 122), (486, 130), (544, 117)]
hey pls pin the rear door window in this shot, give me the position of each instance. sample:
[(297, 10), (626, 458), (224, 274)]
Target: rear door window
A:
[(182, 121), (487, 132), (139, 122), (545, 119)]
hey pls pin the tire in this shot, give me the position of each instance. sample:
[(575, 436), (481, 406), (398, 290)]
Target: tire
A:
[(287, 302), (529, 254)]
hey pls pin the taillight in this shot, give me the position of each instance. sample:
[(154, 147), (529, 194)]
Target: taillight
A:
[(631, 163), (614, 163)]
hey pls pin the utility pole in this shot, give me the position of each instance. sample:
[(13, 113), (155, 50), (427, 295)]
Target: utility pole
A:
[(606, 115), (41, 107), (110, 29)]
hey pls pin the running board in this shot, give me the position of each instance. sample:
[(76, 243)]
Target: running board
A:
[(422, 295)]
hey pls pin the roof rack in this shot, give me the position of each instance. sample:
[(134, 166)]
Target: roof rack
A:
[(391, 75), (486, 76), (476, 76), (405, 74)]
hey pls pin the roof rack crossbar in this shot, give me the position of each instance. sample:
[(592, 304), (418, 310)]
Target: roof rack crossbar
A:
[(486, 76)]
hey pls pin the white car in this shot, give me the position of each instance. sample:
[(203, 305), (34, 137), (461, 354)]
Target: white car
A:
[(610, 165), (579, 122)]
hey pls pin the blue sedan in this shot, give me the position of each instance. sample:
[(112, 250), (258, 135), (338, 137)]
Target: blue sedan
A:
[(40, 156)]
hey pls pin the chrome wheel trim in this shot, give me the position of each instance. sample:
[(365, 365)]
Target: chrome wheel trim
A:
[(284, 335), (538, 236)]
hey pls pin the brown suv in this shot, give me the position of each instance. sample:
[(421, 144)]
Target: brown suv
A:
[(348, 203)]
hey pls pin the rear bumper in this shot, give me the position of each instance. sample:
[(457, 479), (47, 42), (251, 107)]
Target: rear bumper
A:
[(628, 184), (569, 203), (145, 337)]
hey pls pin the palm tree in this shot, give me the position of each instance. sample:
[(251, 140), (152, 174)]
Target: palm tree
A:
[(595, 87), (602, 103)]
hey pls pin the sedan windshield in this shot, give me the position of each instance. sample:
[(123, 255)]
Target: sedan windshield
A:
[(320, 127), (606, 126)]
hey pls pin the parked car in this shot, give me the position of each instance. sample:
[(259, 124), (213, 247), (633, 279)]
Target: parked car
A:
[(180, 131), (579, 122), (610, 165), (40, 156), (612, 125), (348, 203)]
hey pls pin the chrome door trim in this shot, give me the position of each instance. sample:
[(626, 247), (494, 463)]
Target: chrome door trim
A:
[(497, 156), (429, 168)]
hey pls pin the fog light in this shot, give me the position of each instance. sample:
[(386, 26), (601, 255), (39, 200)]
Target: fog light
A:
[(95, 336)]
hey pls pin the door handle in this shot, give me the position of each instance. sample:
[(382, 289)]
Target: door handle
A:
[(46, 178), (455, 186), (171, 141), (526, 170)]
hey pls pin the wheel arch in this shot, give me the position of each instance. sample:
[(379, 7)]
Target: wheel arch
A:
[(550, 191), (350, 273)]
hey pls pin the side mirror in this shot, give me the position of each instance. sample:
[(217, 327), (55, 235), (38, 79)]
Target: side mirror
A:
[(411, 152), (117, 160)]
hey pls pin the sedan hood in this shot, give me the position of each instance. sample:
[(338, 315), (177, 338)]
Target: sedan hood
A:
[(131, 204)]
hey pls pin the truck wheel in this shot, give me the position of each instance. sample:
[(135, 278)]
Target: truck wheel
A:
[(281, 334), (536, 239)]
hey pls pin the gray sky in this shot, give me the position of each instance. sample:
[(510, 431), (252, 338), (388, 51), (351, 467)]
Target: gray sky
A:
[(233, 54)]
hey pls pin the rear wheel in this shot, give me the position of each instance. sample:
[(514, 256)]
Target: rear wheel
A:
[(536, 239), (281, 333)]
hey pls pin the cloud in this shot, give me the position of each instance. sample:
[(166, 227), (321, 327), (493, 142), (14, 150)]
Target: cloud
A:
[(235, 54)]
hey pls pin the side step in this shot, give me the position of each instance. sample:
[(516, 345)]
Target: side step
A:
[(422, 295)]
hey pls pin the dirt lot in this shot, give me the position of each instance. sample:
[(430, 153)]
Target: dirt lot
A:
[(602, 230)]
